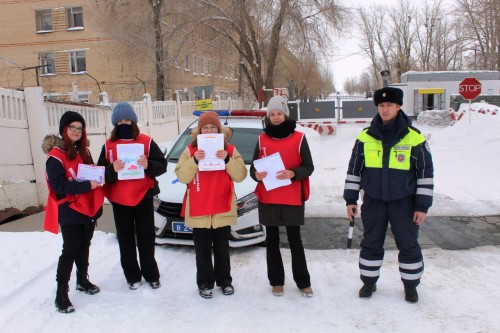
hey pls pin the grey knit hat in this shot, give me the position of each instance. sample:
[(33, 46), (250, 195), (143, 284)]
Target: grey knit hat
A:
[(277, 103), (123, 111)]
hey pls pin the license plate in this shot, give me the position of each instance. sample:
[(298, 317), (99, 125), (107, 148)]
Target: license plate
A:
[(181, 227)]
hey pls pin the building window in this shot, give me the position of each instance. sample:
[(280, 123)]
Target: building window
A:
[(43, 20), (77, 62), (202, 66), (47, 60), (75, 17), (209, 67), (186, 63), (195, 65)]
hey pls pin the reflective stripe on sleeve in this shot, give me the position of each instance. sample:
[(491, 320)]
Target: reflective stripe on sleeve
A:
[(425, 181), (353, 178), (425, 191), (352, 186)]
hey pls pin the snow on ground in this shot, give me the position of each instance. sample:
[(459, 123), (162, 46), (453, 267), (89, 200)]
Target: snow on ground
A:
[(458, 293)]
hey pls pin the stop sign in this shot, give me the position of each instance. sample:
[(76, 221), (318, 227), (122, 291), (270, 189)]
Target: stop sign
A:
[(469, 88)]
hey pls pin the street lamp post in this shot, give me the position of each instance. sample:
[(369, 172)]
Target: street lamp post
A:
[(385, 77)]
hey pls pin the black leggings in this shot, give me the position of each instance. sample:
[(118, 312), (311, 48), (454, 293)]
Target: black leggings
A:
[(76, 248), (275, 269)]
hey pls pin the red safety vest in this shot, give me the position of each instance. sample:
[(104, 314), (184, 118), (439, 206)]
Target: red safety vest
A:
[(87, 203), (131, 191), (289, 149), (210, 192)]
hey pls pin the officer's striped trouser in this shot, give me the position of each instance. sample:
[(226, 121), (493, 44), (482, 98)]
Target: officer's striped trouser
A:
[(410, 272)]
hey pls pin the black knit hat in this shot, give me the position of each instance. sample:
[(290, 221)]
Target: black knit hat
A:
[(67, 118), (388, 94)]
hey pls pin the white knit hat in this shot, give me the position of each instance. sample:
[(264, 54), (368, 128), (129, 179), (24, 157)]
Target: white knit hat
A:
[(278, 103)]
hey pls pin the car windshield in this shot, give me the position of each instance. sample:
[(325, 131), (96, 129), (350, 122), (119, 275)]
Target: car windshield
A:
[(244, 139)]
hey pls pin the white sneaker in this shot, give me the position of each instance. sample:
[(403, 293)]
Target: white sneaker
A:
[(134, 285)]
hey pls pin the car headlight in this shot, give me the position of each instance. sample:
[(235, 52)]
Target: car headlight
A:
[(247, 203), (156, 203)]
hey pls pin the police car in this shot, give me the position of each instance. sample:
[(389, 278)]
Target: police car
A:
[(246, 127)]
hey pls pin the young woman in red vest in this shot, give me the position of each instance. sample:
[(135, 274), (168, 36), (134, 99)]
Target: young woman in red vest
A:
[(132, 199), (74, 205), (284, 206), (209, 207)]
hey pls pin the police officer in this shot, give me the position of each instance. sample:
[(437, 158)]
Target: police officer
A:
[(392, 163)]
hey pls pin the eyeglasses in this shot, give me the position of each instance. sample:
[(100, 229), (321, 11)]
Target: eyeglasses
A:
[(75, 129)]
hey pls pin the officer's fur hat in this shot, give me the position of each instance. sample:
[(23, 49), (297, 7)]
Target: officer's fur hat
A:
[(388, 94)]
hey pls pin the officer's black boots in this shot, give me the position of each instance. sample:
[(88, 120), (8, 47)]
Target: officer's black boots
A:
[(411, 295), (367, 290)]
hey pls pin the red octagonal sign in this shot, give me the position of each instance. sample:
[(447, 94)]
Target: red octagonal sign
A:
[(469, 88)]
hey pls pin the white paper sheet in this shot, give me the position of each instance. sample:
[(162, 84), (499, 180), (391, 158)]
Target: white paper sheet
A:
[(90, 172), (211, 143), (272, 164), (129, 154)]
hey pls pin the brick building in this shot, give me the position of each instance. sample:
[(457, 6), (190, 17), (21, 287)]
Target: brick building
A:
[(64, 47)]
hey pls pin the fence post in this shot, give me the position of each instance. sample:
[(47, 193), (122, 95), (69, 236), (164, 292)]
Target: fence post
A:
[(38, 128), (149, 108), (178, 111), (104, 98)]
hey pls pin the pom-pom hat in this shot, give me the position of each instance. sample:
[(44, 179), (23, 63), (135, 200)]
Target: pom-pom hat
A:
[(123, 111), (388, 94)]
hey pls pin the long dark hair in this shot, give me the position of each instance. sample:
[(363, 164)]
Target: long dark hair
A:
[(72, 149), (135, 132)]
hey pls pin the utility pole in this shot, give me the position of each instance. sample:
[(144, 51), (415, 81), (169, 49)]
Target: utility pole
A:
[(36, 72)]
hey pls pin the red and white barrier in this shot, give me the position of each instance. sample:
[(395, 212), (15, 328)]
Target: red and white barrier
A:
[(321, 128)]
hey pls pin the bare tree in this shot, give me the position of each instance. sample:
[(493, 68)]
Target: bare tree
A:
[(376, 40), (259, 29), (482, 20)]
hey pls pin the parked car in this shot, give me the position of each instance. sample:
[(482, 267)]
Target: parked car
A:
[(170, 229)]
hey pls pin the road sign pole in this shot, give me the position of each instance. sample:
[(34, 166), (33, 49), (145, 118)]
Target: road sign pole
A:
[(470, 109)]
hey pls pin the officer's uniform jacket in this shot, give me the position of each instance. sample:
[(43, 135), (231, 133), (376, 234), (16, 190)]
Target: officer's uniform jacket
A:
[(393, 170)]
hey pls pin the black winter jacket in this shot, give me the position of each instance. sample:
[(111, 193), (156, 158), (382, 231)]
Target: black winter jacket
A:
[(56, 175)]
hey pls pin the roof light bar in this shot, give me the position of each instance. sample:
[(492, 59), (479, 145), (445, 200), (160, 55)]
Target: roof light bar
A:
[(221, 113), (234, 113), (248, 113)]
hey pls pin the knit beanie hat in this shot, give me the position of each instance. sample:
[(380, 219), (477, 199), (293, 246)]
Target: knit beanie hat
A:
[(209, 117), (67, 118), (277, 103), (388, 94), (123, 111)]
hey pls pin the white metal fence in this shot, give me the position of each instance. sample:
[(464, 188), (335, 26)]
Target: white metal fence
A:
[(25, 119)]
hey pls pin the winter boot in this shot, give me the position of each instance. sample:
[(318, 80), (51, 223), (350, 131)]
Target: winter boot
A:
[(411, 295), (83, 284), (367, 290), (63, 304)]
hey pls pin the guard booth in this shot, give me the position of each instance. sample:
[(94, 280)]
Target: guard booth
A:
[(425, 91)]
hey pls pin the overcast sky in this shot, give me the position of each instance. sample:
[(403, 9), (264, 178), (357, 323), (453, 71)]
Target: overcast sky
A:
[(346, 59)]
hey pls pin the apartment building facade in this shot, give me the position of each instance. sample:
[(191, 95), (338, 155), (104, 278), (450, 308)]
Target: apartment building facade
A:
[(63, 47)]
